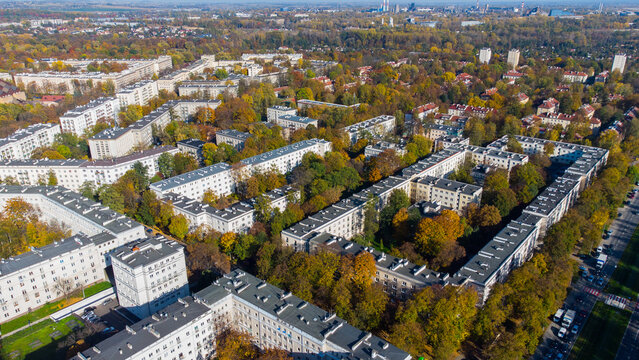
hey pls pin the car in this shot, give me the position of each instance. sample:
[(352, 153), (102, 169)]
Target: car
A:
[(89, 309), (562, 333), (106, 302), (559, 356), (109, 329), (582, 268), (575, 329), (600, 281), (591, 278)]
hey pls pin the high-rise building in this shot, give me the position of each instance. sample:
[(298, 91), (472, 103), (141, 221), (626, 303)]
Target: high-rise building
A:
[(513, 58), (619, 63), (484, 55)]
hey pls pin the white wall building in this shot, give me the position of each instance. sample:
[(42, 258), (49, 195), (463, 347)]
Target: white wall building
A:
[(275, 112), (150, 274), (139, 93), (513, 58), (376, 127), (484, 55), (82, 118), (232, 137), (20, 144), (619, 63)]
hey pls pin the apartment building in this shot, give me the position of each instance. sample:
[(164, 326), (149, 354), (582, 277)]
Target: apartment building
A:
[(272, 56), (436, 131), (513, 58), (274, 319), (619, 63), (64, 82), (184, 330), (450, 194), (42, 275), (381, 146), (564, 120), (275, 112), (206, 89), (305, 103), (149, 274), (169, 81), (83, 118), (117, 142), (285, 158), (73, 173), (548, 106), (475, 111), (232, 137), (237, 218), (484, 55), (22, 143), (376, 127), (575, 76), (139, 93), (192, 147), (294, 122), (421, 112), (194, 184)]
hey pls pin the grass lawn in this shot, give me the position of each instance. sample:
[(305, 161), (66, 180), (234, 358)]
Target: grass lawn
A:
[(94, 289), (38, 336), (625, 280), (602, 334), (48, 309)]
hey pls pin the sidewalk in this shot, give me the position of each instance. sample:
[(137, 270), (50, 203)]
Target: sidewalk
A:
[(24, 327)]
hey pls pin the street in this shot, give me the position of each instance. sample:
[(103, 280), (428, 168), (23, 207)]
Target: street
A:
[(589, 288)]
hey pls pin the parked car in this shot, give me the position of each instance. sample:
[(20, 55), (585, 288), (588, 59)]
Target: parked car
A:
[(562, 333), (575, 329), (600, 281), (106, 302), (591, 278)]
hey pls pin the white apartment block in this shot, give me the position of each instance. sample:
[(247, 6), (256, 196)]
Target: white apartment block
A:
[(232, 137), (206, 89), (513, 58), (117, 142), (295, 122), (82, 118), (139, 93), (64, 82), (237, 218), (476, 111), (40, 276), (169, 81), (450, 194), (217, 178), (34, 278), (275, 112), (274, 319), (149, 274), (285, 158), (619, 63), (270, 57), (575, 76), (381, 146), (72, 173), (185, 330), (484, 55), (376, 127), (20, 144)]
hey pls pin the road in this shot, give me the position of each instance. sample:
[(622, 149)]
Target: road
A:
[(584, 293)]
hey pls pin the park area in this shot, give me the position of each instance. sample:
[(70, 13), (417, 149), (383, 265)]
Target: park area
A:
[(39, 341), (602, 334), (625, 280)]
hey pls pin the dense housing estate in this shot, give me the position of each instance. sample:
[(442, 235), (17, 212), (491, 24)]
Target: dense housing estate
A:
[(20, 144)]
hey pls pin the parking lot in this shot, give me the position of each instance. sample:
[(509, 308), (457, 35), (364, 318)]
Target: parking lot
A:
[(109, 316)]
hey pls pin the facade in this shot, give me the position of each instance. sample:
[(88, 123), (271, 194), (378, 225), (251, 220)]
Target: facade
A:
[(192, 147), (22, 143), (149, 274), (422, 111), (564, 120), (72, 173), (10, 93), (139, 93), (272, 56), (619, 63), (169, 81), (376, 127), (237, 218), (206, 89), (117, 142), (275, 112), (305, 103), (450, 194), (436, 131), (232, 137), (513, 58), (381, 146), (575, 76), (294, 122), (548, 106), (476, 111), (484, 55), (64, 82), (285, 158), (82, 118)]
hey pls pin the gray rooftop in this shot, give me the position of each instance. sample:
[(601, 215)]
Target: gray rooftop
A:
[(175, 181), (78, 111), (141, 335), (146, 251), (26, 132), (274, 154), (47, 252), (299, 119), (297, 313), (234, 134), (449, 185)]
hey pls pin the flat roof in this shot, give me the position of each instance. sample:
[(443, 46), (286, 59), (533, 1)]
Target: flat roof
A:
[(146, 251), (274, 154), (26, 132), (175, 181), (234, 134)]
